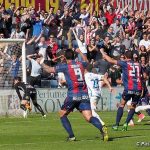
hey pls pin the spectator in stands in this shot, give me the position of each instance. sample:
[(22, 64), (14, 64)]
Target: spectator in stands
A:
[(114, 75), (53, 45), (67, 24), (81, 43), (145, 41), (92, 50), (117, 27), (35, 76), (42, 45), (11, 9), (17, 33), (114, 30)]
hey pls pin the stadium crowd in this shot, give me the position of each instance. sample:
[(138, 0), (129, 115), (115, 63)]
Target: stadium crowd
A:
[(49, 34)]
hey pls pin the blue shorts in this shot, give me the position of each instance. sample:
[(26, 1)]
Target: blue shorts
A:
[(70, 104), (135, 95)]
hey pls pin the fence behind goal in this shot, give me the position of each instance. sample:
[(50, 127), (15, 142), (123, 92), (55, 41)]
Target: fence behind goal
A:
[(12, 61)]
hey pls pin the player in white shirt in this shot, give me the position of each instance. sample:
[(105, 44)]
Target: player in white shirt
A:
[(94, 83)]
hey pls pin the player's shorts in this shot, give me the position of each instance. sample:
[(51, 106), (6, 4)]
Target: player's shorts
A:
[(144, 100), (135, 95), (94, 99), (30, 94), (70, 104)]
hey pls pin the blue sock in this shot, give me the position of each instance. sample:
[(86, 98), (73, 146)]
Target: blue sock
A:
[(119, 115), (96, 123), (66, 124), (130, 115)]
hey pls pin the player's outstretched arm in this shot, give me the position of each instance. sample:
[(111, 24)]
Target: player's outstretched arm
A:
[(109, 59), (107, 83), (47, 68)]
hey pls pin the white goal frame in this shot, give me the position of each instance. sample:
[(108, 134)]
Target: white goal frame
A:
[(24, 74)]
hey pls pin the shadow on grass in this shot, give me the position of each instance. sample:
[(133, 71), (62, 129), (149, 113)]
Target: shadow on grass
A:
[(110, 138), (123, 137)]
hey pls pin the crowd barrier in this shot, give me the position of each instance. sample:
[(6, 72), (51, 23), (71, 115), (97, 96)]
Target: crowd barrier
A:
[(52, 99)]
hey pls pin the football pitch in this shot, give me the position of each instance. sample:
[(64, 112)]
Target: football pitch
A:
[(36, 133)]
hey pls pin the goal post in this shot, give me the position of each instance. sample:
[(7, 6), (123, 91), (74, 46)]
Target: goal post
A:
[(9, 46)]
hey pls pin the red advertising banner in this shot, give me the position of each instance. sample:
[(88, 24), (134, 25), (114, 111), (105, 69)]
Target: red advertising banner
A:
[(46, 4)]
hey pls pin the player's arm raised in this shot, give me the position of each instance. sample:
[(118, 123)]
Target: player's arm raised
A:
[(82, 55), (109, 59), (107, 83)]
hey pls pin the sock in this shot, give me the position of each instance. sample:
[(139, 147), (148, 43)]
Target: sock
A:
[(94, 121), (66, 124), (119, 115), (139, 108), (130, 115), (39, 108), (94, 114), (23, 107)]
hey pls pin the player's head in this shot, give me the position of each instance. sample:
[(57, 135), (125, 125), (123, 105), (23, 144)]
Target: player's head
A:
[(89, 68), (129, 54), (69, 54), (17, 79)]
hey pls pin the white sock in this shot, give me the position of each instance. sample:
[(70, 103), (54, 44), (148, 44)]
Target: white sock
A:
[(140, 108)]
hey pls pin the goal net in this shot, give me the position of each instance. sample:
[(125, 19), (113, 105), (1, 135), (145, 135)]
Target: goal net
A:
[(12, 61)]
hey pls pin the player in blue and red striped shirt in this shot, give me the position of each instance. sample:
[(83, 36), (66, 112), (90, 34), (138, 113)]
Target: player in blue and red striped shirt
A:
[(77, 95), (132, 85)]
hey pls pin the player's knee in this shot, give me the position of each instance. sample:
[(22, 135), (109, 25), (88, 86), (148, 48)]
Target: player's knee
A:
[(62, 113), (122, 105), (88, 117)]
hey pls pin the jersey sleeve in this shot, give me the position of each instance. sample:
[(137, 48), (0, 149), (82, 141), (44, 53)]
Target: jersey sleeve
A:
[(61, 68), (18, 92), (121, 63), (84, 64)]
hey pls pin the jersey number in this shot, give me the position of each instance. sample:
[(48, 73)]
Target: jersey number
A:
[(134, 71), (78, 73), (95, 83)]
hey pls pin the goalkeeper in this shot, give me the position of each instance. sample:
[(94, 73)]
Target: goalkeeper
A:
[(28, 92)]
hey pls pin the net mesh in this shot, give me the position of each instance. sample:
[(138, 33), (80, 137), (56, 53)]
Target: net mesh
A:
[(10, 63)]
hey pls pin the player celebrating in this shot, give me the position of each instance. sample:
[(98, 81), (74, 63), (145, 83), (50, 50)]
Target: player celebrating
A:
[(144, 101), (77, 95), (94, 84), (132, 86), (29, 92)]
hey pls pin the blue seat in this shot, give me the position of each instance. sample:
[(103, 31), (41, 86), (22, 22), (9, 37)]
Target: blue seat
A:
[(53, 83)]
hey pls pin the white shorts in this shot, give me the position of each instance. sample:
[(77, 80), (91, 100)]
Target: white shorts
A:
[(94, 100)]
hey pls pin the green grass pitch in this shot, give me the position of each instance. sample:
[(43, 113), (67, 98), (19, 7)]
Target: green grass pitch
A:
[(36, 133)]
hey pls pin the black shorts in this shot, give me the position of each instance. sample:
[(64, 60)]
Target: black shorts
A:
[(135, 95), (30, 94)]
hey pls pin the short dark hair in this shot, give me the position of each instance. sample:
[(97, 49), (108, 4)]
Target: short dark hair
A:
[(69, 54), (17, 78), (89, 68), (129, 54)]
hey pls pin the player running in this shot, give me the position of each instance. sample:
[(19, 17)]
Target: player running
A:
[(77, 95), (144, 101), (94, 83), (132, 86), (28, 92)]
